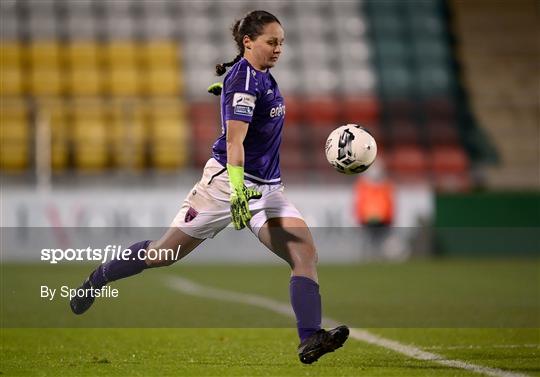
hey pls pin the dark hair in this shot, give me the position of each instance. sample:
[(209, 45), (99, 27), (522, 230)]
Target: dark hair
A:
[(251, 25)]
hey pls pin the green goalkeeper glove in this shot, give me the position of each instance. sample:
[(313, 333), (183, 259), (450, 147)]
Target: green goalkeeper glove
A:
[(215, 88), (240, 196)]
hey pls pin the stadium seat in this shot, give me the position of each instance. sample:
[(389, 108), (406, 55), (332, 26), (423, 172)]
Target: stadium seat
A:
[(440, 109), (205, 127), (168, 135), (10, 25), (442, 133), (163, 74), (401, 108), (450, 168), (293, 137), (90, 135), (42, 24), (162, 81), (204, 112), (128, 134), (407, 162), (433, 79), (85, 74), (14, 136), (124, 81), (322, 111), (11, 73), (360, 110), (117, 27), (161, 53), (293, 159), (404, 132), (80, 24), (46, 76), (123, 62), (293, 111), (85, 81), (54, 112), (158, 26), (449, 159)]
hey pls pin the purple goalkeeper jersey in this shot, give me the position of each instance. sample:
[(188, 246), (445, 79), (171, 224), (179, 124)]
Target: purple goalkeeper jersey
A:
[(253, 97)]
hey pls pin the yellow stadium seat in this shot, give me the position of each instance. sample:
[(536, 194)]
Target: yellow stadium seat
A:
[(162, 81), (84, 54), (128, 135), (169, 138), (11, 80), (44, 81), (85, 81), (169, 156), (169, 129), (124, 81), (11, 75), (163, 106), (122, 53), (90, 136), (85, 75), (161, 54), (14, 136), (45, 76), (122, 62), (44, 54), (14, 157), (11, 53)]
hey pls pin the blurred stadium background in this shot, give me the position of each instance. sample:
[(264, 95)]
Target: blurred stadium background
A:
[(106, 124), (104, 106)]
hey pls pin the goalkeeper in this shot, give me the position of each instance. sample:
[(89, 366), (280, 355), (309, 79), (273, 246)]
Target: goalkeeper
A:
[(242, 183)]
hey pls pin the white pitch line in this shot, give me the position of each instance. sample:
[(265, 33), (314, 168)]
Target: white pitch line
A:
[(476, 347), (191, 288)]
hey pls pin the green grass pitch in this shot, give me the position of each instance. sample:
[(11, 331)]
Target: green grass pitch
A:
[(483, 312)]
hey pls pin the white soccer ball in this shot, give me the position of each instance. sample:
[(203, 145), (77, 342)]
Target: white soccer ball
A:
[(350, 149)]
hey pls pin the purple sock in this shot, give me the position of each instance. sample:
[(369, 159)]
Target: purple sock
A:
[(306, 303), (119, 268)]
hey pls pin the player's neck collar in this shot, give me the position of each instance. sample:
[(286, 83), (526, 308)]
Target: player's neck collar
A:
[(257, 70)]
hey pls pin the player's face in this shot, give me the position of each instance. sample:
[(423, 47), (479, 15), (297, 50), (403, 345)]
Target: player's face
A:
[(266, 48)]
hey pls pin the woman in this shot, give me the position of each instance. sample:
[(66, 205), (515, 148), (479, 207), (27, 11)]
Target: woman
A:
[(241, 182)]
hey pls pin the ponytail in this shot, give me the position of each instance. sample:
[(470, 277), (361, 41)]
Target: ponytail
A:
[(222, 68)]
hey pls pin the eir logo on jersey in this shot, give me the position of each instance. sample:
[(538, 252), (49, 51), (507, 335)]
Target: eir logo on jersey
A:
[(277, 111)]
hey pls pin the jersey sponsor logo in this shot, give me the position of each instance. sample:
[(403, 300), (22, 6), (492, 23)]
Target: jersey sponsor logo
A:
[(277, 111), (243, 104)]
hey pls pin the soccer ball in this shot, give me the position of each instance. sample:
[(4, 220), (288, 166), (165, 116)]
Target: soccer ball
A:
[(350, 149)]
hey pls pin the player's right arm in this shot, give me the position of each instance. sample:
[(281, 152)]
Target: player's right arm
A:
[(236, 133), (239, 98), (240, 194)]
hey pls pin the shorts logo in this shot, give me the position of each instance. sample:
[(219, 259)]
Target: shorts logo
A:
[(243, 104), (190, 214)]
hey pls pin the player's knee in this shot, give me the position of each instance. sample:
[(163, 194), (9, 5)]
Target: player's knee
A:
[(157, 256), (151, 263), (304, 256)]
